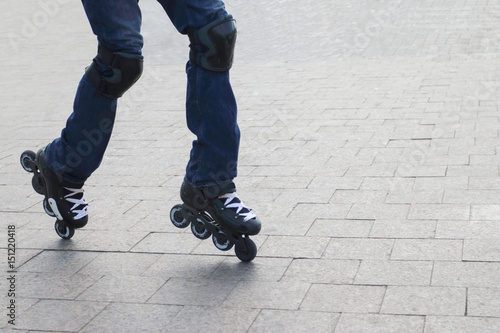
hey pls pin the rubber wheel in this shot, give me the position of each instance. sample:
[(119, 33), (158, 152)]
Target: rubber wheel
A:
[(47, 208), (177, 218), (199, 231), (221, 241), (37, 184), (247, 251), (65, 232), (28, 157)]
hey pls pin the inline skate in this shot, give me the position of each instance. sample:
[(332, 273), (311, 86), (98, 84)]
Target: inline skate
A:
[(218, 212), (63, 200)]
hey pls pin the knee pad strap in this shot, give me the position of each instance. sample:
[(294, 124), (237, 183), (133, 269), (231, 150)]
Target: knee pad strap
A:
[(124, 70), (212, 46)]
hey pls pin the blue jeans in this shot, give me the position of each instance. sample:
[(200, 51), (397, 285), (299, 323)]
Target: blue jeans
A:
[(210, 104)]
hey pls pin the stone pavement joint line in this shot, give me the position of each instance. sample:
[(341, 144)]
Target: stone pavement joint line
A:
[(370, 135)]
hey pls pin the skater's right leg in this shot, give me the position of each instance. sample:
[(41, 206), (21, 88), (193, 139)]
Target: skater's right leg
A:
[(80, 149), (74, 156)]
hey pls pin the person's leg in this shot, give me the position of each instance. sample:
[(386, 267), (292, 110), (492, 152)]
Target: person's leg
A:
[(80, 149), (211, 112), (210, 104), (67, 162)]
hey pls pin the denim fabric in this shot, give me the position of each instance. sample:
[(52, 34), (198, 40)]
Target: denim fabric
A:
[(210, 104)]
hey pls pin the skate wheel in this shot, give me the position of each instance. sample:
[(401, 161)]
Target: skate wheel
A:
[(177, 217), (199, 230), (47, 208), (247, 251), (64, 231), (28, 160), (221, 241), (37, 184)]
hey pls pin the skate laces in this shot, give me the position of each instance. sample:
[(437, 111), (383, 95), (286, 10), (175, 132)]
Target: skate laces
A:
[(234, 202), (76, 198)]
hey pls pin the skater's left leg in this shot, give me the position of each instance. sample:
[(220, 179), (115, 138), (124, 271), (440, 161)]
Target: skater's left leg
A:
[(211, 108), (211, 114)]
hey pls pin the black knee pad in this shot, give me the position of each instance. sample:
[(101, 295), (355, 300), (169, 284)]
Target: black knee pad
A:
[(212, 46), (124, 71)]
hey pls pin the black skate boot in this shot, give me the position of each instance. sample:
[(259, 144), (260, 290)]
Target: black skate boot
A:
[(224, 206), (218, 211), (63, 199)]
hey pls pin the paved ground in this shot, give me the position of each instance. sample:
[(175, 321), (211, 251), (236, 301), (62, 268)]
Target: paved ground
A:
[(370, 152)]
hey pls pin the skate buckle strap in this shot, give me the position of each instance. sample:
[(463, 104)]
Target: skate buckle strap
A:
[(233, 201), (80, 213)]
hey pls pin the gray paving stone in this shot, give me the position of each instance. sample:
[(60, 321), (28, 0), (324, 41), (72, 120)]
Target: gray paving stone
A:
[(104, 211), (310, 212), (380, 211), (20, 219), (11, 205), (294, 321), (149, 216), (483, 302), (427, 249), (472, 171), (209, 319), (122, 288), (422, 171), (347, 183), (359, 248), (472, 196), (468, 230), (262, 269), (449, 324), (322, 271), (283, 225), (351, 196), (302, 196), (340, 228), (445, 301), (485, 212), (484, 183), (434, 196), (182, 243), (52, 285), (440, 159), (465, 274), (66, 263), (133, 318), (40, 235), (112, 240), (120, 264), (41, 315), (371, 323), (399, 228), (440, 183), (439, 212), (294, 247), (183, 266), (481, 250), (382, 170), (396, 273), (277, 182), (283, 295), (343, 298), (193, 291)]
